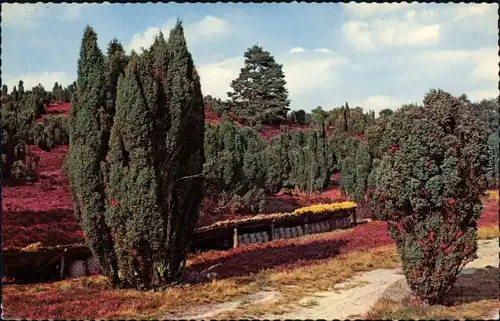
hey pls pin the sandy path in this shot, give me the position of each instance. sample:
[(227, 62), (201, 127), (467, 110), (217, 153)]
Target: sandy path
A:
[(341, 304), (348, 300), (211, 311)]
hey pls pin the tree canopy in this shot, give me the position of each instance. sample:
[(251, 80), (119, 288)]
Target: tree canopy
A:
[(259, 93)]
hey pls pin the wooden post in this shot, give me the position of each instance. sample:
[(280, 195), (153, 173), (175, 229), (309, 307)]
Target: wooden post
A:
[(61, 272), (235, 237), (333, 225), (306, 227), (271, 236), (354, 221)]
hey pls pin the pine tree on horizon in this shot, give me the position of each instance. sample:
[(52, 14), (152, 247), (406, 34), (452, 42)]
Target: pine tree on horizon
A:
[(259, 93)]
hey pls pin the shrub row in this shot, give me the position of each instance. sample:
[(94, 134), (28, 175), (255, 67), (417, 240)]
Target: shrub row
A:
[(54, 131)]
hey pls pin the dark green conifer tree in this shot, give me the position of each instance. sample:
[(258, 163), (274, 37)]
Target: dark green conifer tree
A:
[(259, 93), (114, 64), (363, 163), (385, 113), (429, 186), (134, 215), (20, 88), (183, 156), (150, 182), (88, 150)]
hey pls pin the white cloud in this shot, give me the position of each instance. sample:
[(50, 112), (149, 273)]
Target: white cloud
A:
[(208, 29), (216, 78), (21, 14), (467, 17), (379, 102), (445, 57), (303, 75), (323, 50), (480, 18), (364, 10), (28, 15), (478, 95), (144, 39), (483, 61), (420, 35), (376, 34), (358, 34), (417, 10), (47, 79), (372, 27), (306, 75), (465, 11), (297, 50), (487, 68)]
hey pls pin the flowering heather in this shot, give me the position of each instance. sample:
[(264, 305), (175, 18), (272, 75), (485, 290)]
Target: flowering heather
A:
[(303, 251), (332, 194), (490, 212), (32, 214), (290, 253), (276, 203), (211, 117), (56, 108), (43, 211), (65, 301), (267, 132)]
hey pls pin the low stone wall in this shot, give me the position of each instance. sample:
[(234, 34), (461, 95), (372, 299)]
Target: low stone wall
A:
[(76, 260), (77, 268), (283, 233)]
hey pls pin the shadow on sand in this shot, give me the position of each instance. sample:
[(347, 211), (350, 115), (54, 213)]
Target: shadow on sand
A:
[(474, 285)]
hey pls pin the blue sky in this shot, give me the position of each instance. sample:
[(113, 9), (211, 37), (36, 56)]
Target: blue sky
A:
[(372, 55)]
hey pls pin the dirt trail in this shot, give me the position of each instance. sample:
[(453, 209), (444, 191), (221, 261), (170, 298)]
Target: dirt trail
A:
[(210, 312), (350, 299), (358, 300), (342, 304)]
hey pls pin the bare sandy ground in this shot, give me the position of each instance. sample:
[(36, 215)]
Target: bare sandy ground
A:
[(211, 311), (359, 300), (343, 304), (351, 299)]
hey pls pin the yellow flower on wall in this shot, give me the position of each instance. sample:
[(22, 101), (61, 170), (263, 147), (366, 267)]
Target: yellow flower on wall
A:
[(323, 208), (493, 194)]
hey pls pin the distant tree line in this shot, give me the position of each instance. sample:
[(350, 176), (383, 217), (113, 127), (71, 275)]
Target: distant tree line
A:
[(241, 167), (63, 94), (20, 111)]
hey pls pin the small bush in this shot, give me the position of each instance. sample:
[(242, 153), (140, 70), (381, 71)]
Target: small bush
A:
[(429, 186), (26, 169), (299, 117), (51, 133), (252, 201)]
